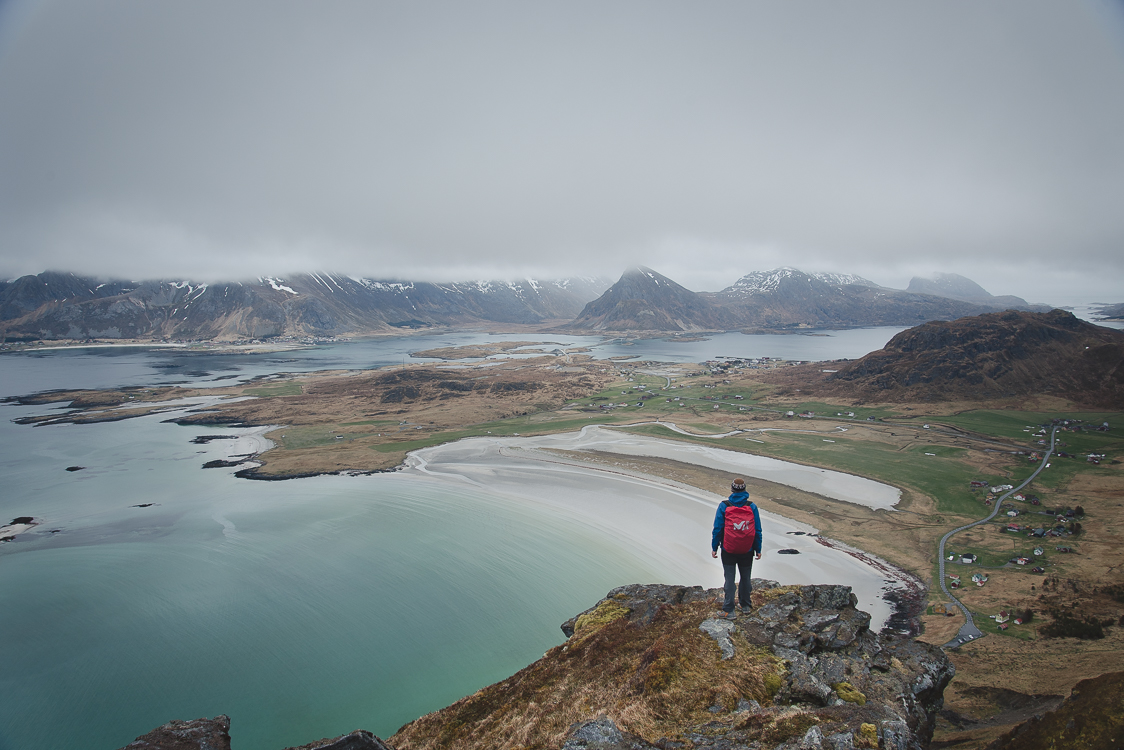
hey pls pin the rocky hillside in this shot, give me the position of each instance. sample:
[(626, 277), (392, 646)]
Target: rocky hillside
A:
[(57, 306), (996, 355), (652, 667), (643, 300), (1091, 717)]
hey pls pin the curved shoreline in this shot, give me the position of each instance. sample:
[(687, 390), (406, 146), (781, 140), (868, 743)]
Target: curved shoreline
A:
[(658, 519)]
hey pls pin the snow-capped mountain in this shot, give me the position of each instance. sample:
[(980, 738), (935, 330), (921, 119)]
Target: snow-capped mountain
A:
[(62, 305), (780, 299), (768, 282)]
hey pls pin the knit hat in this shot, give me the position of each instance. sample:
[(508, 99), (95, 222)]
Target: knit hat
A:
[(738, 485)]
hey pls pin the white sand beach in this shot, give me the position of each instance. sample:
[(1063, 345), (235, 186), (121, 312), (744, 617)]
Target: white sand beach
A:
[(834, 484), (665, 523)]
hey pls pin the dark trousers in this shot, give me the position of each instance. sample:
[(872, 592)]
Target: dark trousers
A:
[(732, 566)]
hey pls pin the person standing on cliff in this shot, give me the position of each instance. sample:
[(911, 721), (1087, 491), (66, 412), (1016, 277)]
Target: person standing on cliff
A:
[(737, 530)]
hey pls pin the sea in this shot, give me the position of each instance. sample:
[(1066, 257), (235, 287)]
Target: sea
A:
[(153, 589)]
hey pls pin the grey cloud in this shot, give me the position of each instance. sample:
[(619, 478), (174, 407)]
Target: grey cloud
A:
[(431, 139)]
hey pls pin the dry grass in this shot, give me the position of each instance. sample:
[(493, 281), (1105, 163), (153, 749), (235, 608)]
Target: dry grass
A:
[(652, 681)]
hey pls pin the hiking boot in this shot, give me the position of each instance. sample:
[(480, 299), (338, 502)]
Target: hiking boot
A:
[(732, 615), (746, 610)]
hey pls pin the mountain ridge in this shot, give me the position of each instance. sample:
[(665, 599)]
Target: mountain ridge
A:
[(55, 305), (65, 306)]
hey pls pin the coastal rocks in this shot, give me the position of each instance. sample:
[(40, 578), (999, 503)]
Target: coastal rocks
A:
[(651, 666), (357, 740), (214, 734), (9, 531), (200, 734)]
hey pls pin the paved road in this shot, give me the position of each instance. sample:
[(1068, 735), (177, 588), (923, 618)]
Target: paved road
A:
[(968, 630)]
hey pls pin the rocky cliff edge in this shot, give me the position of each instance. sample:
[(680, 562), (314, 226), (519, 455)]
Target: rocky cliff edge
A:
[(653, 666)]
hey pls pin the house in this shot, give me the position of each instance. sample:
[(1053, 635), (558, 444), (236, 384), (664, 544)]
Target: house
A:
[(968, 559), (1002, 626), (1013, 527), (1012, 513), (940, 609), (1022, 560), (1003, 616), (1039, 532), (1038, 551), (1018, 621), (954, 576), (979, 579), (978, 483)]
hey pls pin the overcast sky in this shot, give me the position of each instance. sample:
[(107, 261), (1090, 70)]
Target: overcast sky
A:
[(458, 140)]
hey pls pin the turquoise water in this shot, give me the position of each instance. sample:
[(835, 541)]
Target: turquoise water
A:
[(302, 609)]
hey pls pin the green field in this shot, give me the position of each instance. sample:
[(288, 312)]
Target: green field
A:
[(1011, 424), (941, 476), (988, 625)]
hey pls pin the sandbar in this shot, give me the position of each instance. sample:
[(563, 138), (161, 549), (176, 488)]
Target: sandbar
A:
[(664, 523)]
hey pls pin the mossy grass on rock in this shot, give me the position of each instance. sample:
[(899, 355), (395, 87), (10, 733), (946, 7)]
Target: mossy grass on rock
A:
[(648, 666)]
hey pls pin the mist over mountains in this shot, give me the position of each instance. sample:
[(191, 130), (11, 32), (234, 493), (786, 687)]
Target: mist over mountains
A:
[(58, 305), (781, 299)]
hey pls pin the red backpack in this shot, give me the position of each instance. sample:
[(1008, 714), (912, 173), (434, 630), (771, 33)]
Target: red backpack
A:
[(739, 532)]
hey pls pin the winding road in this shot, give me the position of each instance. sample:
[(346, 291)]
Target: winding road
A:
[(969, 631)]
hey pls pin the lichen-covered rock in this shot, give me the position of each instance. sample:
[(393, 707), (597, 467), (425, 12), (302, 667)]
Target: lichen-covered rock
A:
[(357, 740), (720, 630), (640, 601), (198, 734), (602, 734)]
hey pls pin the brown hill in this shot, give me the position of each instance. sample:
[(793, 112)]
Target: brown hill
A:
[(995, 355), (1092, 717)]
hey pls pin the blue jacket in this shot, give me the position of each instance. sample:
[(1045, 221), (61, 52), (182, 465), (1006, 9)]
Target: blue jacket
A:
[(739, 499)]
